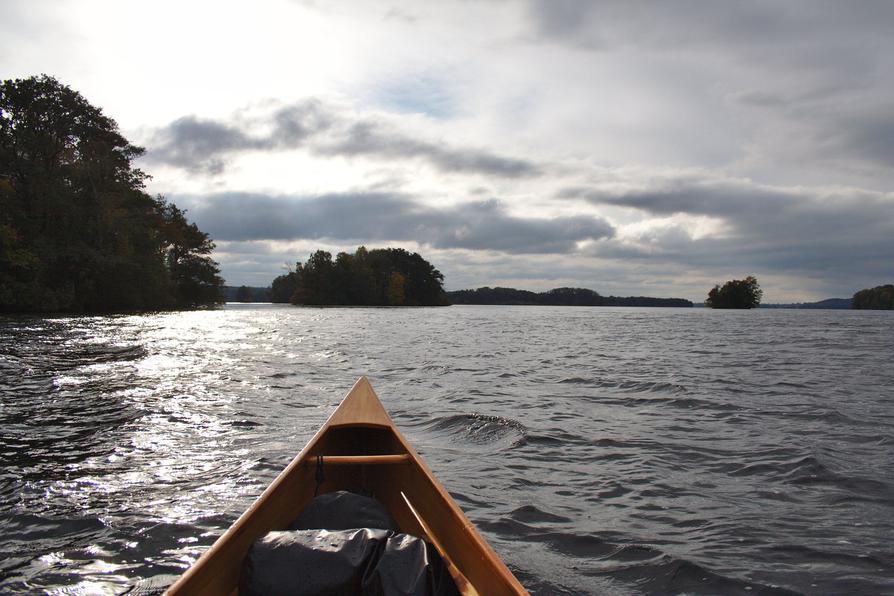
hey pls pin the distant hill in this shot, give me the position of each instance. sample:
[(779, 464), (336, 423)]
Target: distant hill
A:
[(231, 294), (829, 303), (557, 297)]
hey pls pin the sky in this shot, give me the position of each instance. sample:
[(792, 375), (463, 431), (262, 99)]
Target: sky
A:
[(634, 148)]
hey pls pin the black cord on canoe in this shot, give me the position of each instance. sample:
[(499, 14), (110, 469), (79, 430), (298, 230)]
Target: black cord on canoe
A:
[(320, 475)]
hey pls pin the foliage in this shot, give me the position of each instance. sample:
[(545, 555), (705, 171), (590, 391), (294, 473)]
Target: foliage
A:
[(244, 294), (283, 287), (488, 295), (572, 297), (77, 231), (737, 293), (378, 277), (236, 293), (877, 298), (186, 248), (556, 297)]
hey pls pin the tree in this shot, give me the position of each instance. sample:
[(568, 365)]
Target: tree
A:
[(283, 287), (744, 293), (573, 297), (77, 230), (186, 248), (877, 298), (315, 280), (244, 294), (396, 289)]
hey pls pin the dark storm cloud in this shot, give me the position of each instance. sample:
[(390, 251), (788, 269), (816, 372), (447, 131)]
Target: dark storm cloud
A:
[(205, 145), (845, 234), (368, 217)]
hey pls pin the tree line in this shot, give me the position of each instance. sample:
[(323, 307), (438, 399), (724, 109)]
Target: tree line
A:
[(557, 297), (78, 232), (246, 294), (377, 277)]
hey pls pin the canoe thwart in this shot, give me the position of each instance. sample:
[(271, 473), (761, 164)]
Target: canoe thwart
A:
[(364, 460)]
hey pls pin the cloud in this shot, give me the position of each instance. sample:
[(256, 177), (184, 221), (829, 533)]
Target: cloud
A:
[(842, 235), (867, 135), (205, 145), (667, 229), (793, 32), (800, 91), (369, 138), (293, 124), (197, 145), (380, 217)]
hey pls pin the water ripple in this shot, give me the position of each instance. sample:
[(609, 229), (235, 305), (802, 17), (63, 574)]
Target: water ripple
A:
[(601, 451)]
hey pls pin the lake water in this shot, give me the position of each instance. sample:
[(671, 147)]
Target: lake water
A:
[(599, 450)]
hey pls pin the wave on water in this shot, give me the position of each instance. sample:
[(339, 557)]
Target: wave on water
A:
[(479, 429)]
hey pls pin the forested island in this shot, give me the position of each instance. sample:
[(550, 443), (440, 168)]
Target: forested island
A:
[(78, 233), (377, 277), (557, 297)]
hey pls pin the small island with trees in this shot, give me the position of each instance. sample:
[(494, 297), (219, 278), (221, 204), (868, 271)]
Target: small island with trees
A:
[(78, 233), (377, 277), (736, 293)]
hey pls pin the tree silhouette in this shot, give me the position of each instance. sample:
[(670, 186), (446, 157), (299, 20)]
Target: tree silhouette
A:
[(378, 277), (244, 294), (737, 293), (877, 298)]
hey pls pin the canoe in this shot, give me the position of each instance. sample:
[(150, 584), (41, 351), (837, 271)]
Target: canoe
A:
[(361, 449)]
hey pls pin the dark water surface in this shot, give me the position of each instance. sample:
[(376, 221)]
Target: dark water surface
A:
[(599, 450)]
